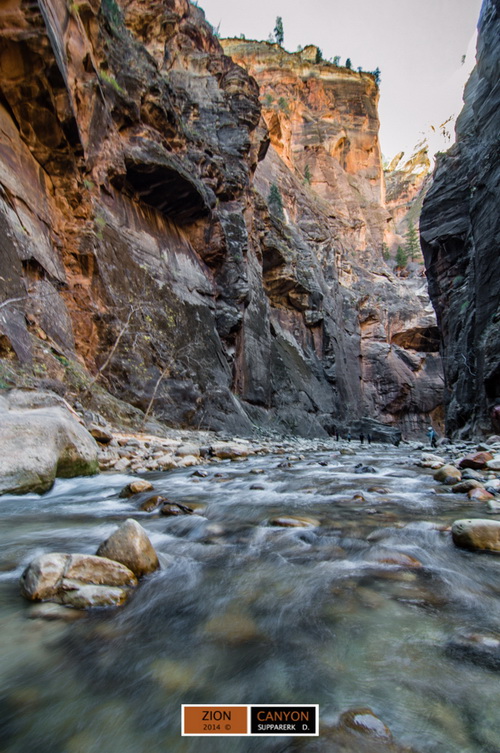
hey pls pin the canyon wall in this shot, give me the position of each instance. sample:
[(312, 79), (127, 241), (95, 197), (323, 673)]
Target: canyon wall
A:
[(141, 257), (325, 158), (460, 235)]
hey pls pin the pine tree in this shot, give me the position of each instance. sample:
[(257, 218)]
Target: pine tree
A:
[(412, 245), (401, 257), (348, 63), (307, 175), (275, 202), (279, 34)]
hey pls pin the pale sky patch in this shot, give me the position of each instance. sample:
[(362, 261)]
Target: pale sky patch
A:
[(417, 44)]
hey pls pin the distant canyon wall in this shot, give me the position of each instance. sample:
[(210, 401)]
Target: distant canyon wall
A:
[(325, 158)]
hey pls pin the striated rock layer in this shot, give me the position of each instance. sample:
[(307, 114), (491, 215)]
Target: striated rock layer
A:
[(138, 252), (374, 326), (460, 234)]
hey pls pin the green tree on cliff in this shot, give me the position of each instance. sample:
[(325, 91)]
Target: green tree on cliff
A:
[(275, 202), (376, 75), (348, 63), (279, 34), (412, 245)]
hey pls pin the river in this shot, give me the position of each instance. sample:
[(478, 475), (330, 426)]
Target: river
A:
[(366, 609)]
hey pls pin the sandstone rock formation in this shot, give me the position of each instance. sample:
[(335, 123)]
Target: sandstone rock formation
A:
[(77, 580), (137, 252), (130, 545), (39, 441), (460, 234), (406, 184), (325, 157)]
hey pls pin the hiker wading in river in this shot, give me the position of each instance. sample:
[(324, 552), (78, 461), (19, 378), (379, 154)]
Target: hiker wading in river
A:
[(432, 436)]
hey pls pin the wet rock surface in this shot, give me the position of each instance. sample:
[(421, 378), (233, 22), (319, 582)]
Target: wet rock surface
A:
[(77, 580), (459, 233), (131, 546), (483, 535)]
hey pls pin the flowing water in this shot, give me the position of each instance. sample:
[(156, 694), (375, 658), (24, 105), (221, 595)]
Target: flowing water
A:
[(245, 612)]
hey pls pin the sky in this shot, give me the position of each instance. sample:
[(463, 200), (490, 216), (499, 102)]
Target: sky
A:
[(418, 45)]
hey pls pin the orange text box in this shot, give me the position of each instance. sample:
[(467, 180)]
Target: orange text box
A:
[(215, 720)]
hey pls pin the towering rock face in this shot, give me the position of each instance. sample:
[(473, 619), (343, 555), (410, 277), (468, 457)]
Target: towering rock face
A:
[(325, 158), (128, 144), (460, 233), (137, 241), (323, 125)]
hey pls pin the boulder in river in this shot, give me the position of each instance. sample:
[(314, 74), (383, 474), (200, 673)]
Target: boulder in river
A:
[(480, 495), (225, 450), (79, 580), (476, 460), (466, 485), (136, 487), (38, 444), (175, 508), (477, 533), (428, 460), (130, 545), (152, 503), (448, 474)]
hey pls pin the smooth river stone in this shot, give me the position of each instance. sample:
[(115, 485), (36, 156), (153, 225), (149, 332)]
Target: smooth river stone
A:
[(480, 495), (130, 545), (136, 487), (477, 533), (448, 474), (476, 460)]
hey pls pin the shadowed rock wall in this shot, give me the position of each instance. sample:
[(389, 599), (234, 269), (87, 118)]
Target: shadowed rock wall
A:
[(460, 234)]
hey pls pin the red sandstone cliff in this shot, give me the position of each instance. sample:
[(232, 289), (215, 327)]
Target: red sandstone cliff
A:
[(325, 157), (138, 250)]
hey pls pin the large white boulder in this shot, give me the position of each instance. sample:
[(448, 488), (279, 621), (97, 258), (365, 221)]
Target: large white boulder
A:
[(38, 444)]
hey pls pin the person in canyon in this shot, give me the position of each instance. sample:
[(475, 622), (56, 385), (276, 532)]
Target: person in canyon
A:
[(432, 436), (495, 417)]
